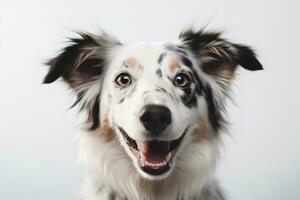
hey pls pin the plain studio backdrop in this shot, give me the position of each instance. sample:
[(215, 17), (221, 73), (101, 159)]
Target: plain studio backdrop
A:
[(38, 153)]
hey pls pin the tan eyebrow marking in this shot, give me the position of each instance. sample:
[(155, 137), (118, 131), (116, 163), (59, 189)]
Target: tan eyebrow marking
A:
[(131, 62), (174, 63)]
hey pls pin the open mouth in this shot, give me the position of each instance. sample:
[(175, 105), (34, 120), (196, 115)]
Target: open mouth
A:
[(154, 157)]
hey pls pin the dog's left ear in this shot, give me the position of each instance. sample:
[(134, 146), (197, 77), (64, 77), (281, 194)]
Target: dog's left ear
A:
[(217, 56)]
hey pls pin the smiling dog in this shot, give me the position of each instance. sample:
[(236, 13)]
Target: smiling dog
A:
[(154, 112)]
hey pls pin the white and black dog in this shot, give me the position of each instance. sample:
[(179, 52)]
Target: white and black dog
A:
[(154, 112)]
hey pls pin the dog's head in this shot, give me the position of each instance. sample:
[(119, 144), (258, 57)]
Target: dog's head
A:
[(156, 98)]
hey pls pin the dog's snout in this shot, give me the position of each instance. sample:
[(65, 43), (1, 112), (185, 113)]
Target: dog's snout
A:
[(156, 118)]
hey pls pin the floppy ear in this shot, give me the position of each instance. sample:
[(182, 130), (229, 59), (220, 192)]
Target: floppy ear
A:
[(82, 61), (217, 56), (80, 65)]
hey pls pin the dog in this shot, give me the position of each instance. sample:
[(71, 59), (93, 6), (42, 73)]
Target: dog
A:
[(154, 112)]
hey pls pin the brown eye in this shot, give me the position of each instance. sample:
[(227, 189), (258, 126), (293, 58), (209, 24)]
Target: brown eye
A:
[(123, 80), (182, 80)]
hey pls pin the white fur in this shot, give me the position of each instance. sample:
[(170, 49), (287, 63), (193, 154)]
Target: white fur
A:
[(110, 164)]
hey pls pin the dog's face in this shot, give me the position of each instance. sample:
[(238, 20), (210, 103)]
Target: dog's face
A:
[(156, 98), (151, 103)]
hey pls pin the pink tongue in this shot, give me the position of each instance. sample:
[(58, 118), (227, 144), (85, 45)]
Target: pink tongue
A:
[(154, 151)]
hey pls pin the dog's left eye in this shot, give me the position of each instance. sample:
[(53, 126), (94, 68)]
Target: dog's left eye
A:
[(123, 80), (182, 80)]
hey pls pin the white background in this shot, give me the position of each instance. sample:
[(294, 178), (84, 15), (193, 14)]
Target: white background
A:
[(38, 155)]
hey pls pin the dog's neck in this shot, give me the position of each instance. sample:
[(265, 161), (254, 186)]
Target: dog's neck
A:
[(151, 190)]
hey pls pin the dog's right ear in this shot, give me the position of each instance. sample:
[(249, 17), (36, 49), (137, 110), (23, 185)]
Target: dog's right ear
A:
[(82, 61), (80, 65)]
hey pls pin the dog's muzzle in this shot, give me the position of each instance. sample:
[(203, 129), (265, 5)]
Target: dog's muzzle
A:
[(154, 155)]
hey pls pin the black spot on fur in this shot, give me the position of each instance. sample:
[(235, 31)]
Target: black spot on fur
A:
[(181, 50), (124, 64), (187, 91), (170, 47), (159, 73), (214, 111), (186, 61), (141, 67), (161, 57), (112, 195), (93, 114), (121, 100), (199, 84), (189, 98)]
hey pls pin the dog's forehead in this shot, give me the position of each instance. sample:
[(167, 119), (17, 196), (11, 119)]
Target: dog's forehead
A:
[(144, 50), (149, 55)]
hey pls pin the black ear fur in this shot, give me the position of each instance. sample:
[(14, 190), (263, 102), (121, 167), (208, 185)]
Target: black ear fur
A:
[(211, 44), (247, 58), (80, 62)]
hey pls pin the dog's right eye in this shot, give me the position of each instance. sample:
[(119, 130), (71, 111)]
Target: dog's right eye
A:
[(123, 80)]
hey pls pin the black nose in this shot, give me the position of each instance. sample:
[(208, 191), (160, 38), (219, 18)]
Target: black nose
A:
[(156, 118)]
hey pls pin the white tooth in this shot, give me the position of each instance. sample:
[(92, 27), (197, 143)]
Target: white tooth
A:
[(142, 157), (169, 157), (155, 164)]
